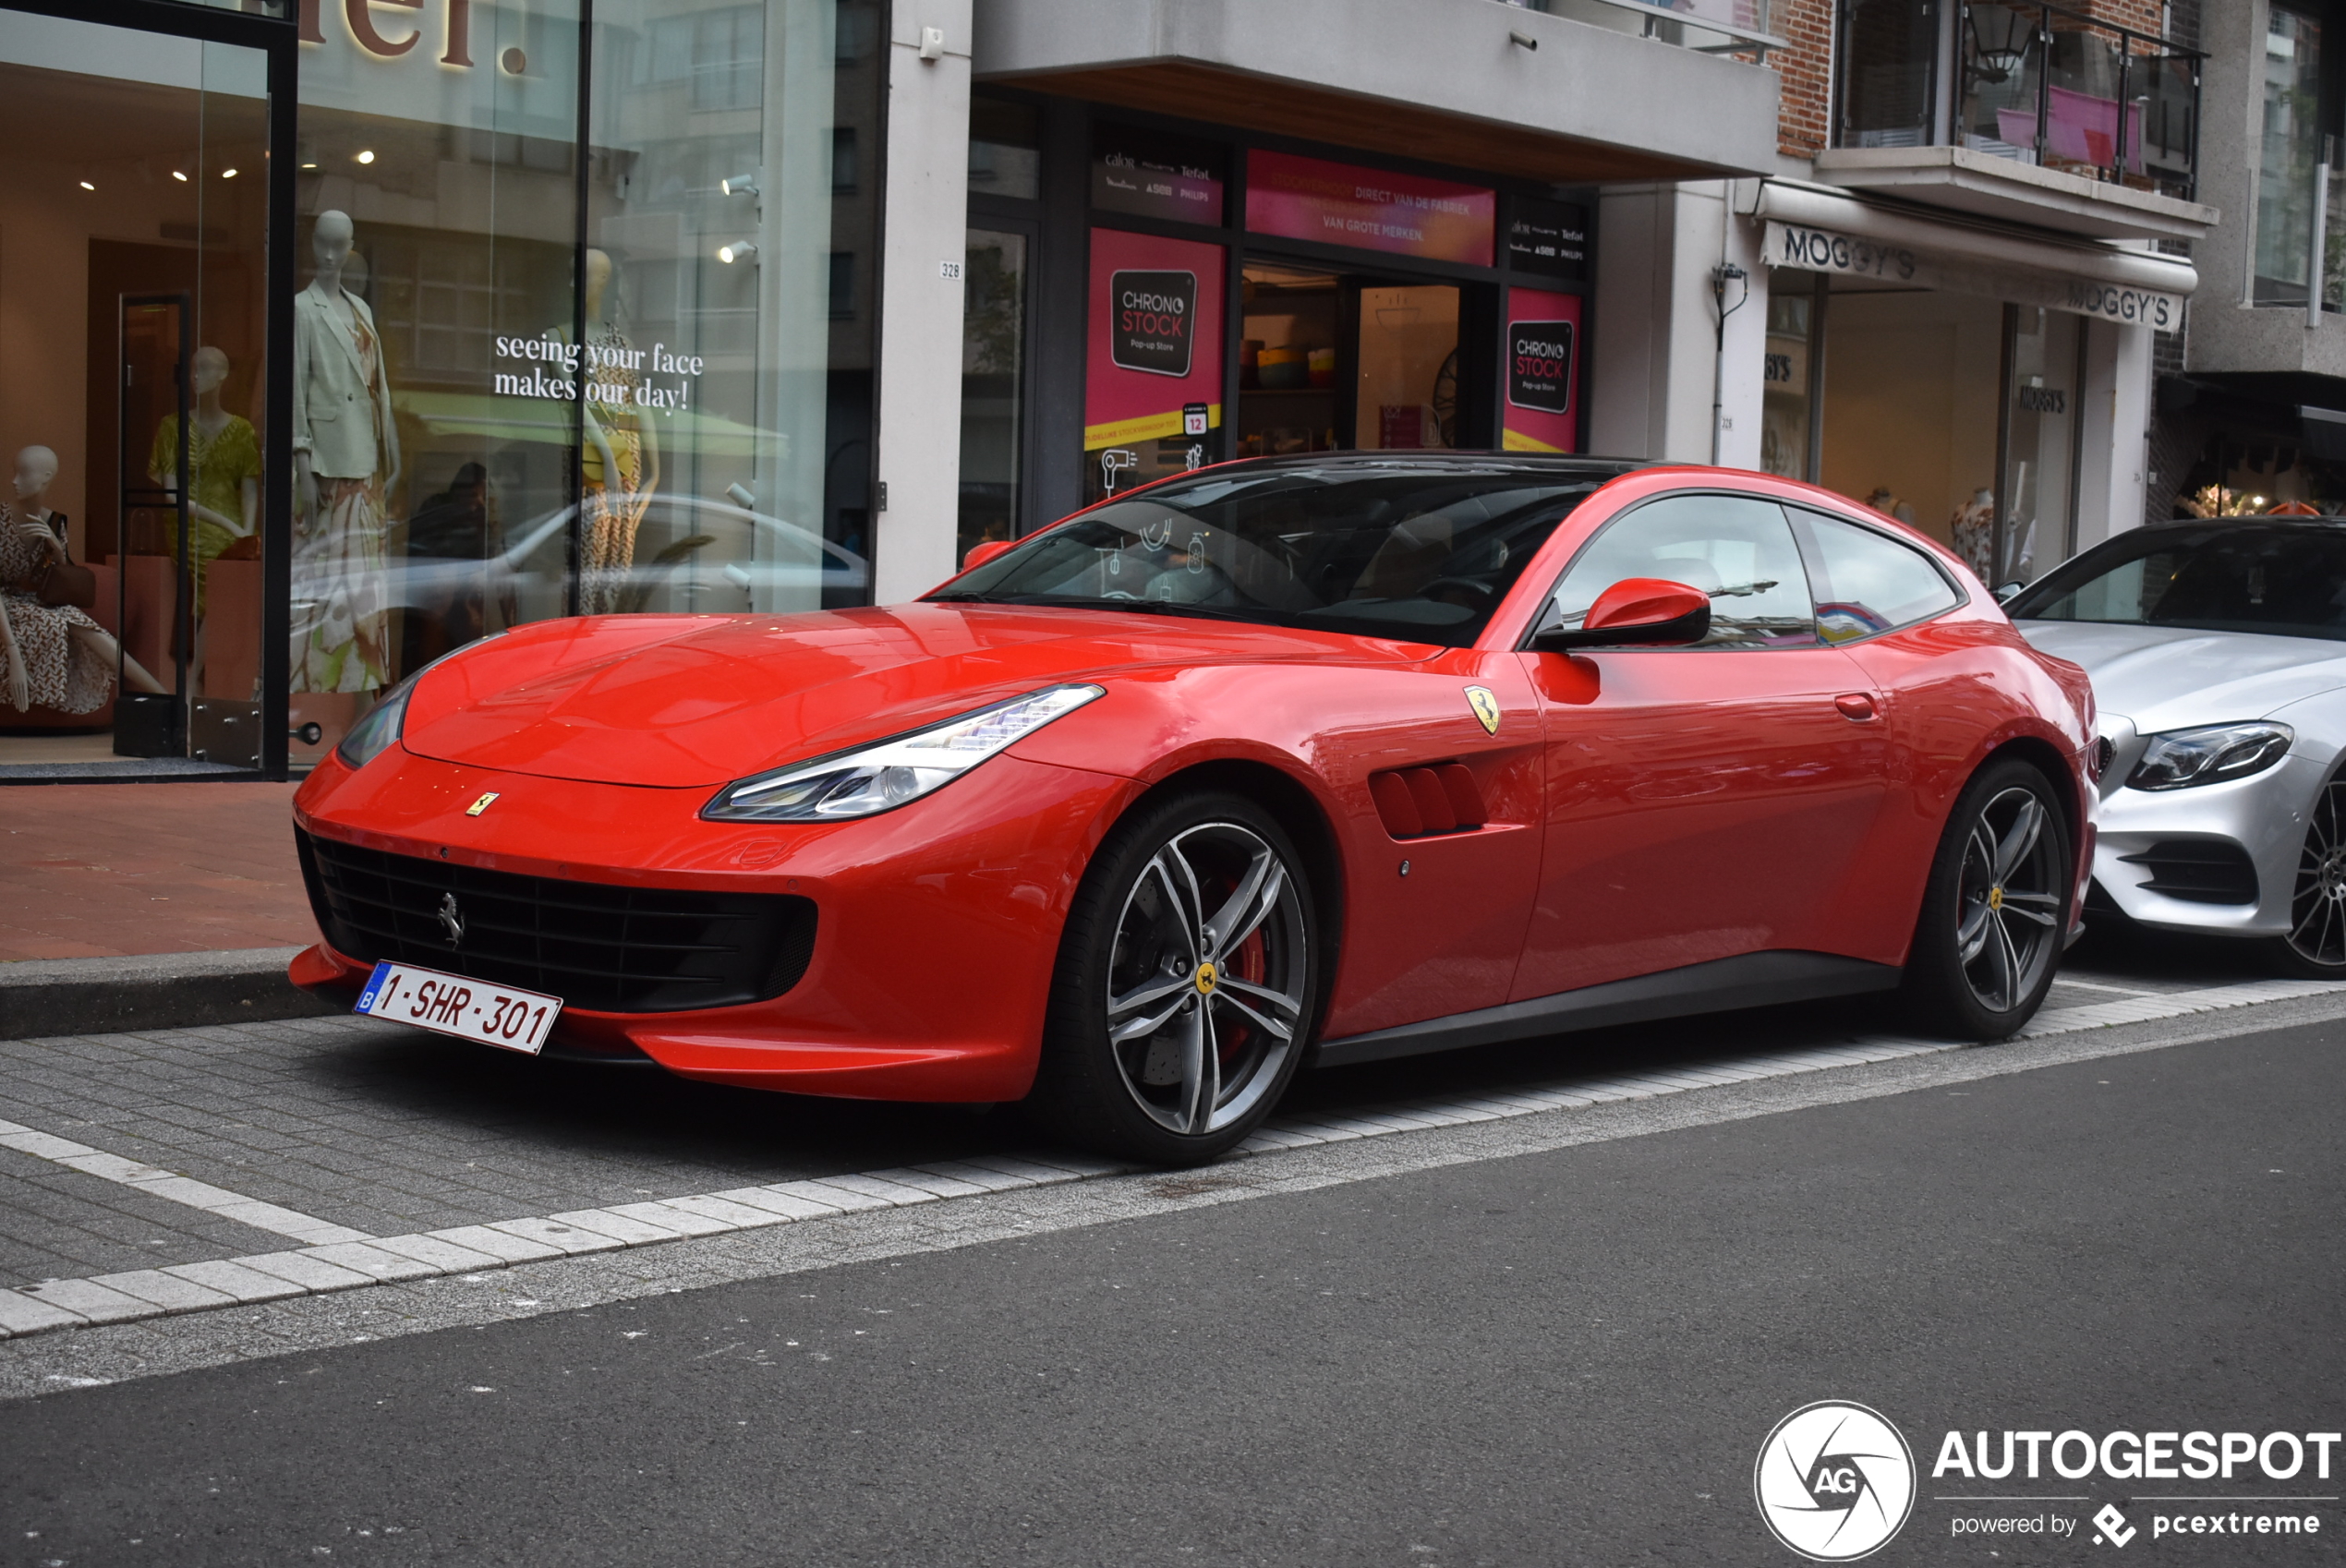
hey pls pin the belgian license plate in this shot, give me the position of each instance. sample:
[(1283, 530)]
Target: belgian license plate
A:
[(450, 1004)]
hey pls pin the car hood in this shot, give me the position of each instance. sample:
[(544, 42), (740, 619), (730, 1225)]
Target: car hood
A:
[(2161, 678), (697, 701)]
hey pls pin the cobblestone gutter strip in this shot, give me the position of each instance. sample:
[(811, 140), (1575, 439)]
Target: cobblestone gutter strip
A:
[(351, 1259)]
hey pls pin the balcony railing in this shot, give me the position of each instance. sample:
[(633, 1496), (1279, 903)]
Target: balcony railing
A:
[(1710, 26), (2036, 84)]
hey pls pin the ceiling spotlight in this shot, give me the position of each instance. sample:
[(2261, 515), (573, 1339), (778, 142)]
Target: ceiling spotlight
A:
[(87, 185), (740, 185), (740, 250), (227, 174), (366, 156), (180, 178)]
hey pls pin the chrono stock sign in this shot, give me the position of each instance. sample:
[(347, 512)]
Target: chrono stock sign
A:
[(1825, 250), (1540, 366), (1152, 326)]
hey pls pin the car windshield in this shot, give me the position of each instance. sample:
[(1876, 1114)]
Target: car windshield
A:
[(2284, 582), (1419, 552)]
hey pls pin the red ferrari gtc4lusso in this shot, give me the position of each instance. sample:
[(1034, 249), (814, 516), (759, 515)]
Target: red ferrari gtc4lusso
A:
[(1305, 760)]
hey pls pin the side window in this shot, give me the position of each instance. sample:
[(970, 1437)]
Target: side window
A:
[(1868, 582), (1736, 548)]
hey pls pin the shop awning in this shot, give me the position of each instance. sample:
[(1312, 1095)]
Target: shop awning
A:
[(1513, 91), (1820, 230)]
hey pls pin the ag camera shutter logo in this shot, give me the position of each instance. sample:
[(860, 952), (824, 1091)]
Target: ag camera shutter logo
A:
[(1835, 1482)]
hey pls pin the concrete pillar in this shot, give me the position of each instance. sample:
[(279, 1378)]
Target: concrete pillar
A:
[(920, 349), (2113, 442), (1654, 345)]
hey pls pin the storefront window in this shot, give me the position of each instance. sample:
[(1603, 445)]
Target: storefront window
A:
[(2040, 443), (993, 353), (2291, 149), (1787, 424), (132, 324), (493, 426), (732, 339)]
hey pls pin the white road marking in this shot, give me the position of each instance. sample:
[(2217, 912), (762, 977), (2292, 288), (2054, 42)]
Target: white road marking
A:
[(177, 1188), (358, 1259)]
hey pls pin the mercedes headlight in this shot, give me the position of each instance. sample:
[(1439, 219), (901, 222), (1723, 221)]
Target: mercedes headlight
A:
[(888, 773), (384, 723), (2181, 758)]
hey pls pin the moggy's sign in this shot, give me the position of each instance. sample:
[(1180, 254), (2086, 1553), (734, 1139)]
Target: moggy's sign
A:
[(1825, 250)]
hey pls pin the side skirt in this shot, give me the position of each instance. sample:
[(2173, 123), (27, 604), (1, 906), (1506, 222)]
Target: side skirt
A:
[(1749, 980)]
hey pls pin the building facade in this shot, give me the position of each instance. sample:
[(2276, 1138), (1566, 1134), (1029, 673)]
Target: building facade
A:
[(366, 328)]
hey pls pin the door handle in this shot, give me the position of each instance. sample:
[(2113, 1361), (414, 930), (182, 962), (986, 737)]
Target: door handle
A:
[(1855, 705)]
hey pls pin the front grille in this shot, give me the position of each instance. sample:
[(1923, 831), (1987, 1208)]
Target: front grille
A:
[(2199, 871), (597, 947)]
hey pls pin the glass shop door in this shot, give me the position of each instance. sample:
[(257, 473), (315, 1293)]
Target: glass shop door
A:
[(141, 158)]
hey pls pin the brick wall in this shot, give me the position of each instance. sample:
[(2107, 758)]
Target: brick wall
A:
[(1803, 126)]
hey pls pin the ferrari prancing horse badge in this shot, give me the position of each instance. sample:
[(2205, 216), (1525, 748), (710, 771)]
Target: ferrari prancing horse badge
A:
[(1485, 706)]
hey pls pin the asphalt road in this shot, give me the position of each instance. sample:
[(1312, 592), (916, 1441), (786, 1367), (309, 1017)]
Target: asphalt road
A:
[(1568, 1356)]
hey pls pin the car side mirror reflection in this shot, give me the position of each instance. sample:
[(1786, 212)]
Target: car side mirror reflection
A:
[(984, 551), (2010, 591), (1635, 612)]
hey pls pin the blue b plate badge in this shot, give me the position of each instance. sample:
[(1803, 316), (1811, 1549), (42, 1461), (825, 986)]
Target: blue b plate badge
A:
[(454, 1005)]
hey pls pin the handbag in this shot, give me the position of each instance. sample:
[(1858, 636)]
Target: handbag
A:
[(63, 585)]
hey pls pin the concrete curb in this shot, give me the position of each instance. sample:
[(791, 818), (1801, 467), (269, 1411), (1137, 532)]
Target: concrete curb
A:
[(46, 996)]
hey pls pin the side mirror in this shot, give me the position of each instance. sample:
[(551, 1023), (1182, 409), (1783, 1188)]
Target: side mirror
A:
[(2010, 591), (983, 552), (1635, 611)]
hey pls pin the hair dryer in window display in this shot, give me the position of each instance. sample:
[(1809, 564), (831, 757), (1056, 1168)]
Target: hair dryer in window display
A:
[(346, 452), (620, 467)]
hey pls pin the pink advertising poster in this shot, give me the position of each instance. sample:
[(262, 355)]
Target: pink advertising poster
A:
[(1372, 209), (1155, 339), (1543, 363)]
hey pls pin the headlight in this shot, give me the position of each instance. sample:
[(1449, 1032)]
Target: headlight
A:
[(2181, 758), (887, 774), (373, 734)]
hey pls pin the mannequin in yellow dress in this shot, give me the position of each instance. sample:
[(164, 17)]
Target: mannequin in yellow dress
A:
[(620, 467), (224, 473)]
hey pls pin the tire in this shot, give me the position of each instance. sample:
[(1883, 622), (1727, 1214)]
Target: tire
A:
[(1995, 913), (2315, 945), (1195, 880)]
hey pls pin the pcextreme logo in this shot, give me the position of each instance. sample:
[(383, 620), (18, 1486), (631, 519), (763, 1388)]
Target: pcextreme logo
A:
[(1835, 1482)]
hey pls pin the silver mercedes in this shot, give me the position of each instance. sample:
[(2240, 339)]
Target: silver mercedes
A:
[(2217, 652)]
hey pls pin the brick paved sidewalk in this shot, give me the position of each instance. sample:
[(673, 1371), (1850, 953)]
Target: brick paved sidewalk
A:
[(109, 869)]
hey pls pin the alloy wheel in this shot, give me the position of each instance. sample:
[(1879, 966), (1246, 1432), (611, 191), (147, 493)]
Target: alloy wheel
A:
[(2008, 927), (1207, 981), (2317, 909)]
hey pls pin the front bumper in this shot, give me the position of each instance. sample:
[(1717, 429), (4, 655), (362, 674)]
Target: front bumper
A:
[(2261, 818), (939, 922)]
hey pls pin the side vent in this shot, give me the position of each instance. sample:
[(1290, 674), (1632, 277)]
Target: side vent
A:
[(1416, 802)]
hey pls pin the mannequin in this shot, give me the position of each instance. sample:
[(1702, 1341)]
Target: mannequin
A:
[(1972, 530), (346, 453), (223, 466), (620, 468), (50, 654)]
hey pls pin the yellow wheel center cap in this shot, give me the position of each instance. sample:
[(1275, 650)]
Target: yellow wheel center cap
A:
[(1206, 980), (1995, 897)]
